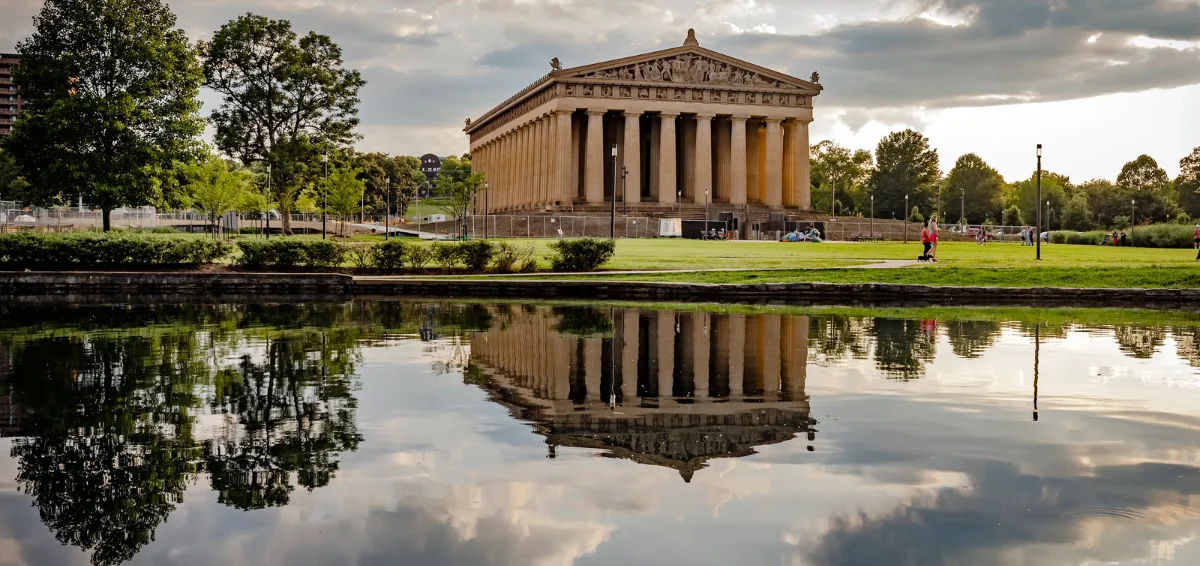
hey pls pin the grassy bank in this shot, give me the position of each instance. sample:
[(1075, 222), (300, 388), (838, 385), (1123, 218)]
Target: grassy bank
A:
[(1174, 277)]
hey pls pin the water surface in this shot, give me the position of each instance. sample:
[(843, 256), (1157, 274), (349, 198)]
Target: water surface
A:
[(474, 433)]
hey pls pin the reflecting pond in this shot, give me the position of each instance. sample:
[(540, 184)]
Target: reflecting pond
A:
[(459, 433)]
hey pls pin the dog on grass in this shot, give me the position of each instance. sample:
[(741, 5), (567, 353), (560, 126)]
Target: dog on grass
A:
[(925, 258)]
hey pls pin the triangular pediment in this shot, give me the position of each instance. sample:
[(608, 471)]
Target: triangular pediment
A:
[(690, 65)]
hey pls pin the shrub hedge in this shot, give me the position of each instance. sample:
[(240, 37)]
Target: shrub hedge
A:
[(291, 253), (584, 254), (37, 249), (1152, 236)]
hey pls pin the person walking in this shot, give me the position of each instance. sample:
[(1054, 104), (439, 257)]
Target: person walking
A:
[(925, 241), (1196, 237), (933, 238)]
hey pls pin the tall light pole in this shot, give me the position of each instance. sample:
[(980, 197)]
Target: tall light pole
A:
[(612, 218), (962, 211), (1132, 218), (387, 212), (706, 201), (1038, 203), (268, 201), (872, 216), (325, 195), (486, 212), (906, 217)]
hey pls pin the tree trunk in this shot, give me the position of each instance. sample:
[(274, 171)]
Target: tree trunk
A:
[(106, 215), (285, 219)]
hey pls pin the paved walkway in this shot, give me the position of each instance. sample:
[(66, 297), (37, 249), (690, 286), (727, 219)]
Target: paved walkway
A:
[(877, 264)]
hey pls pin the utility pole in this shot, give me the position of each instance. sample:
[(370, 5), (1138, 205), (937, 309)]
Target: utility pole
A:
[(268, 201), (612, 218), (1038, 203), (325, 193)]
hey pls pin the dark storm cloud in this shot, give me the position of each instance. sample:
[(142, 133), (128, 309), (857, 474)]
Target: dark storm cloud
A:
[(1007, 51)]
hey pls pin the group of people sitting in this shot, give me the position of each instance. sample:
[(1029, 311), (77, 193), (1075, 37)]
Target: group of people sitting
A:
[(811, 235)]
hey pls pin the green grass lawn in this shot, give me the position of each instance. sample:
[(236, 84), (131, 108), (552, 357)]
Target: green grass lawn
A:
[(695, 254)]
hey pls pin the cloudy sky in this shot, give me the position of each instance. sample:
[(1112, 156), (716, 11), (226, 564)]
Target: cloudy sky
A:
[(1097, 81)]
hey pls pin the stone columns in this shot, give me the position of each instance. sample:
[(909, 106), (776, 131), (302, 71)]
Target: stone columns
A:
[(700, 353), (724, 147), (754, 154), (685, 136), (666, 160), (593, 178), (528, 178), (703, 175), (629, 355), (562, 190), (772, 357), (790, 191), (803, 167), (633, 157), (543, 170), (737, 161), (774, 196), (502, 182)]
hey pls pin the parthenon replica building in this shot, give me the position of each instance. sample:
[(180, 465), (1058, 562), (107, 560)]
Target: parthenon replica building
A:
[(691, 127)]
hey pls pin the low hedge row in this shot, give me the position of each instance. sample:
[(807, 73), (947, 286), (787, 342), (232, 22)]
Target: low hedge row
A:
[(36, 249), (1152, 236)]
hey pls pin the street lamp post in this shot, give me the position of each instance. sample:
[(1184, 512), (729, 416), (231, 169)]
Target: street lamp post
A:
[(1132, 218), (962, 211), (833, 198), (706, 201), (872, 217), (486, 213), (325, 204), (387, 212), (612, 217), (1038, 203), (906, 217), (268, 201)]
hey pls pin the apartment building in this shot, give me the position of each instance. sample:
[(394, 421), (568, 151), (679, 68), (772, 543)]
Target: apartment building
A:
[(10, 101)]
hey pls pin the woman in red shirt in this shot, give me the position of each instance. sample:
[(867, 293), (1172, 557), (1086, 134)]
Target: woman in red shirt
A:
[(933, 238), (925, 239)]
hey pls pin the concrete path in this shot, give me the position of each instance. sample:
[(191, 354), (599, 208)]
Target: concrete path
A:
[(877, 264), (395, 230)]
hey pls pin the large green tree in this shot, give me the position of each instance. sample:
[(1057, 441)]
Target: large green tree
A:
[(285, 100), (1187, 184), (904, 165), (110, 91), (977, 186), (380, 171), (1023, 195), (839, 173), (1148, 185)]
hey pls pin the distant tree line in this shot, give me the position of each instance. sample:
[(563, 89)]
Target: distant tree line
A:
[(973, 192), (112, 116)]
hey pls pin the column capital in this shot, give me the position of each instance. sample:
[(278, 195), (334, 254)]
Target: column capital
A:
[(668, 114), (739, 117), (596, 112), (772, 120), (631, 113), (562, 112), (706, 115)]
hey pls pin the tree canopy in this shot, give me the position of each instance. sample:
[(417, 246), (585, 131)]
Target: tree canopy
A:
[(285, 99), (110, 91), (905, 165), (1187, 185), (216, 190), (837, 168), (978, 185)]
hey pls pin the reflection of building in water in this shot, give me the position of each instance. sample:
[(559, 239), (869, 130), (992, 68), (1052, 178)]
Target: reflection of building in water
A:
[(664, 388)]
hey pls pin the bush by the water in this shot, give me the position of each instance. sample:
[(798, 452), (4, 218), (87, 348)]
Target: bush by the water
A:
[(476, 254), (389, 255), (291, 253), (584, 254), (1152, 236), (36, 249)]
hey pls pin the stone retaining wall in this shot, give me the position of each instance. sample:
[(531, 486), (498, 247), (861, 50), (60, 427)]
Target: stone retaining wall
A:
[(48, 287)]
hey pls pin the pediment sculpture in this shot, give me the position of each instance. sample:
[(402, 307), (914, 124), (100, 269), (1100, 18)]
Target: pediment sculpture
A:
[(692, 69)]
